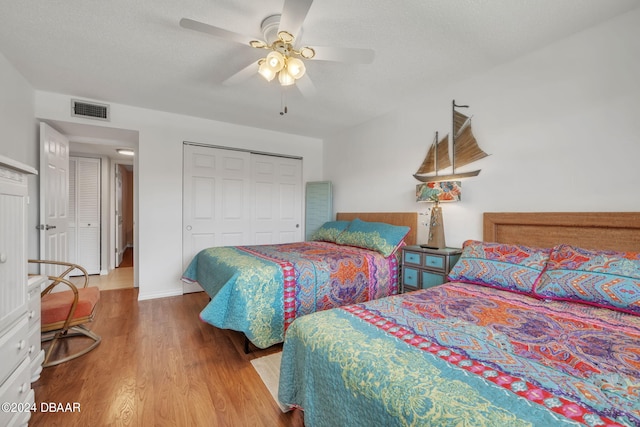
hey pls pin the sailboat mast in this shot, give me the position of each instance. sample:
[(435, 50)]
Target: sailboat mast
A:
[(453, 133), (435, 166)]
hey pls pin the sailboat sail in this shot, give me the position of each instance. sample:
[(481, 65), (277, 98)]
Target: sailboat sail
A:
[(441, 157), (465, 151)]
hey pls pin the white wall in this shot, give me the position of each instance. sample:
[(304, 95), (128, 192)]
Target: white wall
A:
[(158, 176), (19, 134), (562, 126)]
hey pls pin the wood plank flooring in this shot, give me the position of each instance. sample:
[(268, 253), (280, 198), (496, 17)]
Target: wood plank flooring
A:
[(118, 278), (159, 365)]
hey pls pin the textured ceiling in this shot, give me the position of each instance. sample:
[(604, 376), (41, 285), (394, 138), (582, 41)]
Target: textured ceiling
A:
[(135, 52)]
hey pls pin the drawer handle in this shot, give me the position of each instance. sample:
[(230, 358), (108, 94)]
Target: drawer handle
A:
[(31, 314), (32, 349), (24, 387), (22, 344)]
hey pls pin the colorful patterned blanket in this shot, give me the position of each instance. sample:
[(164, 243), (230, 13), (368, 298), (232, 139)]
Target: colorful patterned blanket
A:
[(260, 290), (464, 355)]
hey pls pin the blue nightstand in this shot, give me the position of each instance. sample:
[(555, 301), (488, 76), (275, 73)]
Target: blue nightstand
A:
[(424, 267)]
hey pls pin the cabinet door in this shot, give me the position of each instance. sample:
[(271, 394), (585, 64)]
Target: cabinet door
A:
[(429, 279), (410, 279), (13, 268)]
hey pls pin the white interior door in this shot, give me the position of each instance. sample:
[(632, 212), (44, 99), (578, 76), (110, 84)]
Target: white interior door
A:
[(215, 200), (54, 196), (277, 199), (88, 208)]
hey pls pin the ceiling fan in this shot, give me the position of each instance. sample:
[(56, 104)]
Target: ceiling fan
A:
[(285, 59)]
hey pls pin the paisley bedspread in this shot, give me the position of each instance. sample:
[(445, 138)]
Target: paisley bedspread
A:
[(464, 355), (260, 290)]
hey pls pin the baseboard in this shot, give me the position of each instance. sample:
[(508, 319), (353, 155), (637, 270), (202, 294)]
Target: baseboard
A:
[(155, 295)]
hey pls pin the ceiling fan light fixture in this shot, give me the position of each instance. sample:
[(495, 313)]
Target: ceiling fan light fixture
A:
[(266, 71), (275, 61), (307, 52), (285, 78), (285, 36), (296, 68), (258, 44)]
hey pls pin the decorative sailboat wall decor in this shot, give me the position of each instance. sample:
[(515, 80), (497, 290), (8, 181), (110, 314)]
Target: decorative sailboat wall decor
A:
[(464, 147)]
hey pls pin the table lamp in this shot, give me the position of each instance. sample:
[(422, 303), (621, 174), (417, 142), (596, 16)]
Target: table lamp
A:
[(436, 192)]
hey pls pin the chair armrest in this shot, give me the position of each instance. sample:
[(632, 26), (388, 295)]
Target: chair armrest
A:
[(61, 277)]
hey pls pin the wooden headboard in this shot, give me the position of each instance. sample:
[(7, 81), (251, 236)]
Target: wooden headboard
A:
[(591, 230), (409, 219)]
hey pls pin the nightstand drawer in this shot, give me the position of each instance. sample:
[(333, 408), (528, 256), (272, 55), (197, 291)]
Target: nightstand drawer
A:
[(412, 258), (434, 261), (430, 279), (410, 277)]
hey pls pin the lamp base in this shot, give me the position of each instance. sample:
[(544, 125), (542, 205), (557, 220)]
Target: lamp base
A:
[(436, 230)]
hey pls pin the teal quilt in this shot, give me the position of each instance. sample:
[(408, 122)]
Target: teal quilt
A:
[(259, 290), (464, 355)]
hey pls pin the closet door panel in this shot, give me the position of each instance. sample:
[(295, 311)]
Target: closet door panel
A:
[(277, 196), (84, 213)]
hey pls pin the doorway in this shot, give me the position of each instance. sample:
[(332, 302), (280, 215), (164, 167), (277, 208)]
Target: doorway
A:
[(101, 142), (123, 187)]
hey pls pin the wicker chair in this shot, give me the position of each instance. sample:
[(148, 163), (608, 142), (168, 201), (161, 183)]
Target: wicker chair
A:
[(64, 314)]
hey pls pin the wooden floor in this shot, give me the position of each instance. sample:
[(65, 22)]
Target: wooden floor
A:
[(158, 365), (118, 278)]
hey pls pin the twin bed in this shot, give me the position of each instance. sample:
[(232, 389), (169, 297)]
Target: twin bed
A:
[(540, 327), (259, 290)]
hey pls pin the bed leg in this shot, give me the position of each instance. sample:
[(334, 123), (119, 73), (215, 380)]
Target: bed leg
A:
[(246, 345), (297, 418)]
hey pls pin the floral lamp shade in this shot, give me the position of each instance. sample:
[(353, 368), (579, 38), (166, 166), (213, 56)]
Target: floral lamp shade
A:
[(446, 191), (436, 192)]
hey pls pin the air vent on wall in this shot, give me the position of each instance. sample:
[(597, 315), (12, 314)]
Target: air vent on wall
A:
[(89, 110)]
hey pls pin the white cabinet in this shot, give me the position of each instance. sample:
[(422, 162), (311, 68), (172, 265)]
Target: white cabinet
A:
[(16, 325)]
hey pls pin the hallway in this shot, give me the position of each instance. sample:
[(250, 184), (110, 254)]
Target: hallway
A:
[(119, 278)]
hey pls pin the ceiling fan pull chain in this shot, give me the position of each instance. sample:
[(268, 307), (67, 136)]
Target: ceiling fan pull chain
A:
[(283, 102)]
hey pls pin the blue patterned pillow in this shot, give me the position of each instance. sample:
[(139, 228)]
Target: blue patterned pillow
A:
[(329, 231), (601, 278), (376, 236), (510, 267)]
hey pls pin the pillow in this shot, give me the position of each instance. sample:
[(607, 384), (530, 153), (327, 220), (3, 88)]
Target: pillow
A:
[(510, 267), (376, 236), (329, 231), (602, 278)]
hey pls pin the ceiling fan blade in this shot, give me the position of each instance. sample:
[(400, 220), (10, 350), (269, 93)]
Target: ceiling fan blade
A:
[(242, 75), (344, 54), (306, 86), (215, 31), (293, 14)]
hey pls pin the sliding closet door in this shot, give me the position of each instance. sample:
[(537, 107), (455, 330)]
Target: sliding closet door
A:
[(277, 199), (215, 200)]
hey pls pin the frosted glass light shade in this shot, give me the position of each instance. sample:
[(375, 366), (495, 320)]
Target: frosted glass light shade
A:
[(266, 71), (285, 78), (296, 68), (275, 61)]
